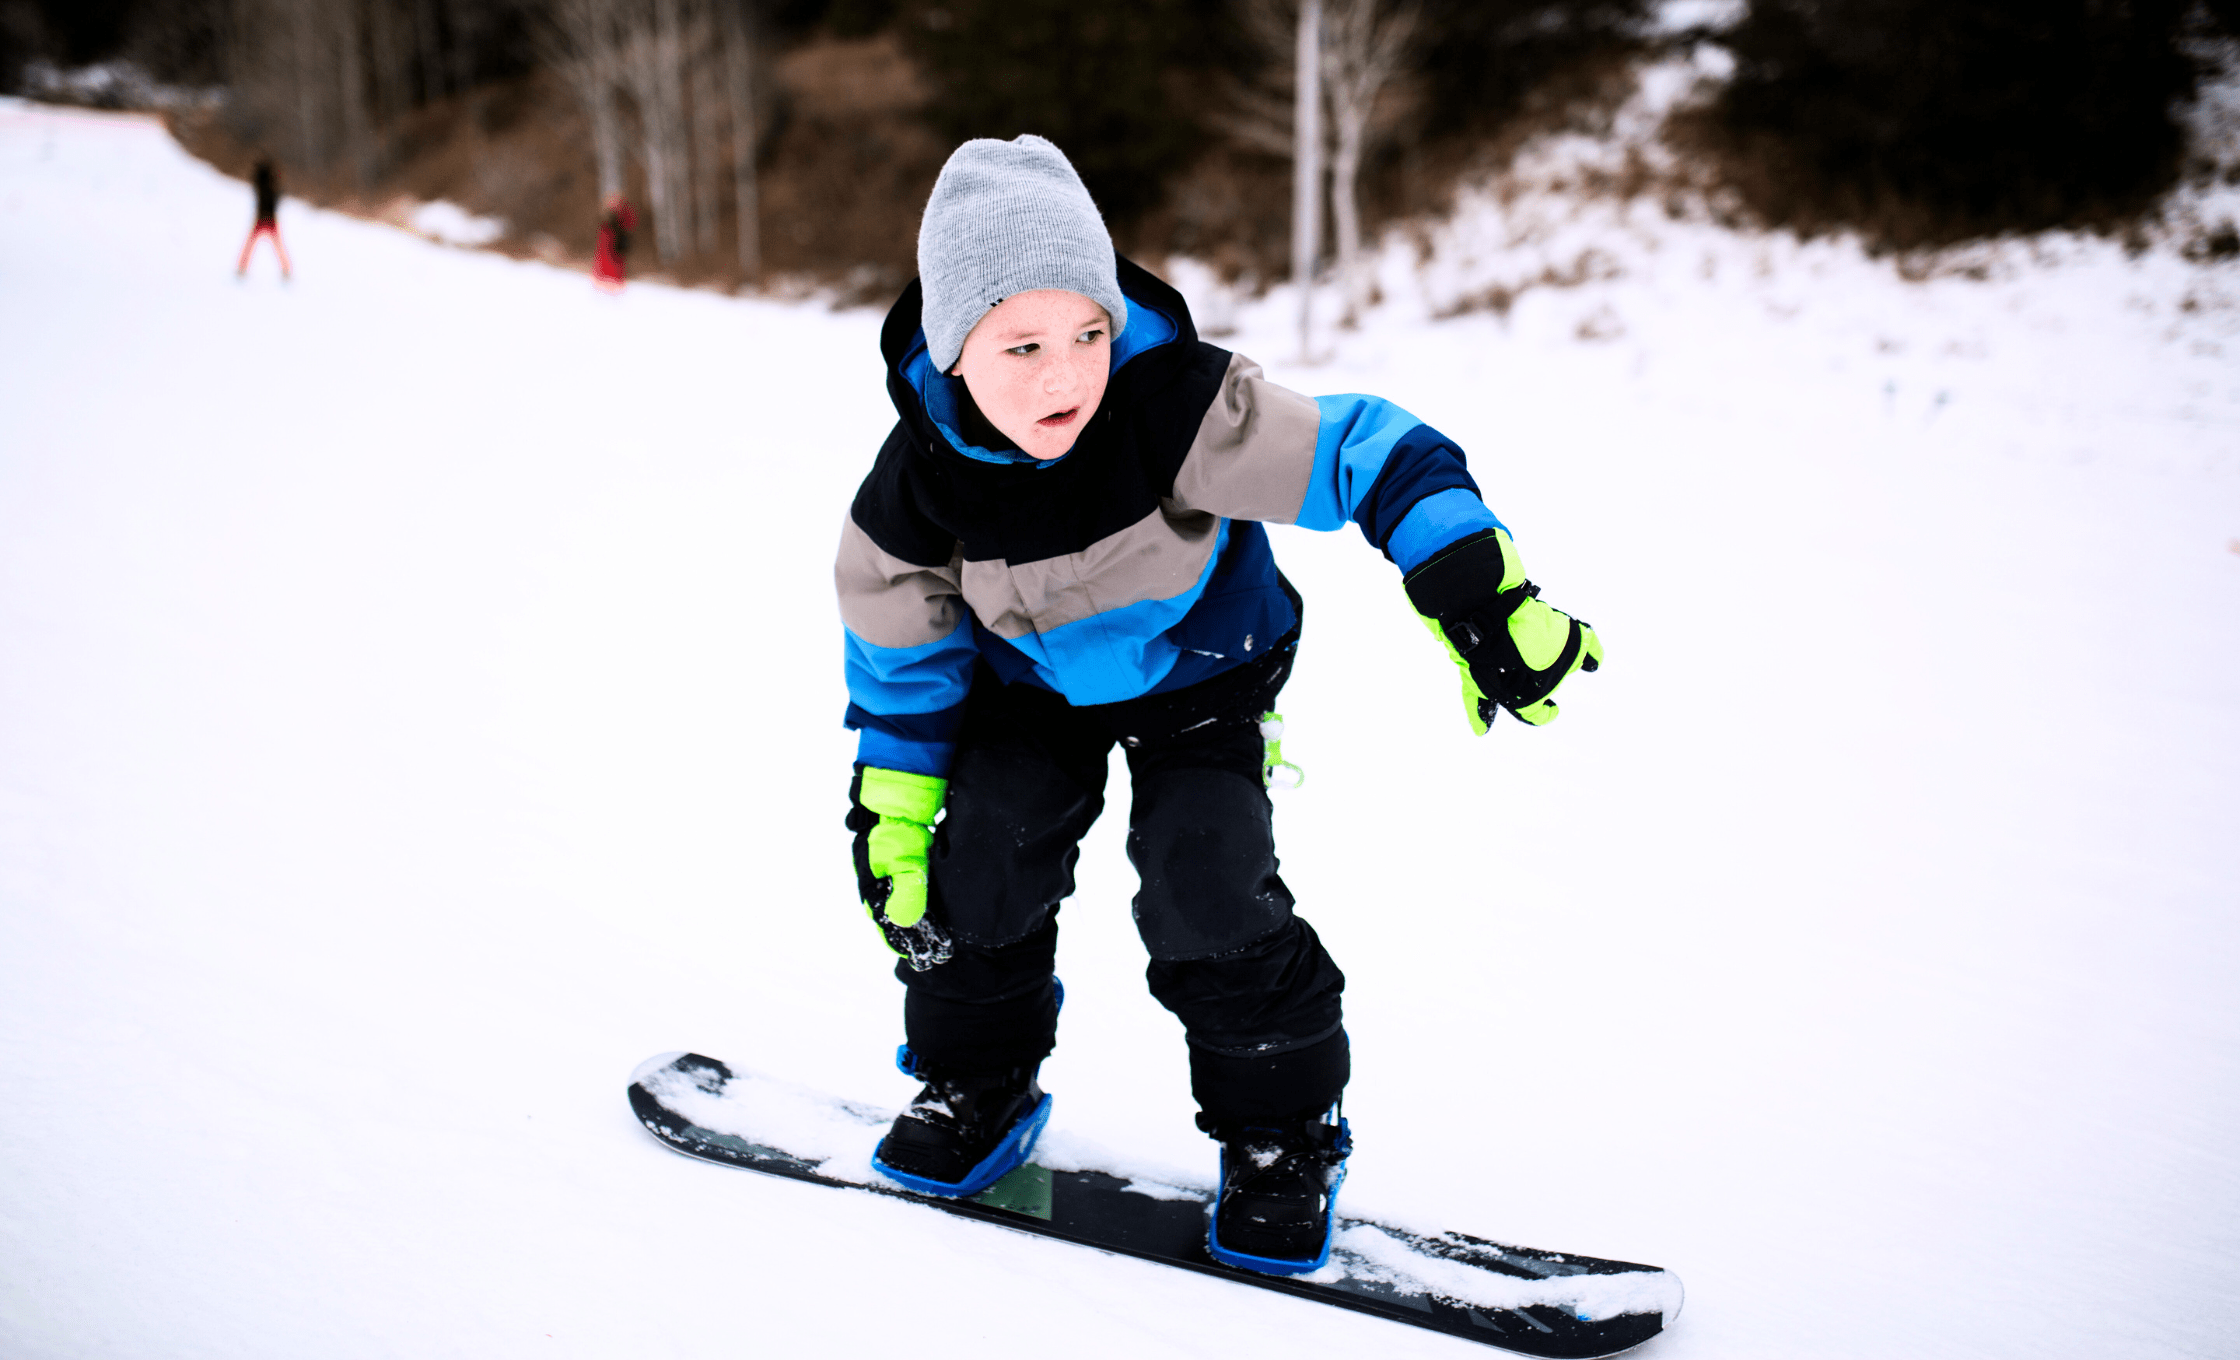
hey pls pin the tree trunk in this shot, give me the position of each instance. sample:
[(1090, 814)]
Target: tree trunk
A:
[(1345, 209), (303, 76), (606, 119), (642, 60), (706, 56), (350, 90), (237, 54), (649, 68), (578, 40), (1365, 44), (1306, 170), (430, 41), (390, 31), (739, 58), (464, 23), (670, 230)]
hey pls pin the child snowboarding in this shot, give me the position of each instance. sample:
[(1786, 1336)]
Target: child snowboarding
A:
[(268, 220), (1058, 549), (614, 244)]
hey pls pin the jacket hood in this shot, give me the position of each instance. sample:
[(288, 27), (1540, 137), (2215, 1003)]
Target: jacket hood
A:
[(1156, 336)]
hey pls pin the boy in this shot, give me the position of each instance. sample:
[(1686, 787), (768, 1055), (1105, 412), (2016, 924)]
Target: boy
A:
[(1058, 548)]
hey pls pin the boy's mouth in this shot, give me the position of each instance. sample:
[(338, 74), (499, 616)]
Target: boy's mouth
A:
[(1060, 418)]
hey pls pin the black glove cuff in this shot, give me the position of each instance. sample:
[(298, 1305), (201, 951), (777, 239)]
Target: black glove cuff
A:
[(1462, 578), (861, 820)]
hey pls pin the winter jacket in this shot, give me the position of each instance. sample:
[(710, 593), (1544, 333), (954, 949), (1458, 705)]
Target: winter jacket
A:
[(615, 229), (1134, 564)]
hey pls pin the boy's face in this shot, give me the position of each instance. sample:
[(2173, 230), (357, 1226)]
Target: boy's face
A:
[(1036, 365)]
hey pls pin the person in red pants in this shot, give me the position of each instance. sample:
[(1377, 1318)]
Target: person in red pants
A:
[(614, 243), (268, 220)]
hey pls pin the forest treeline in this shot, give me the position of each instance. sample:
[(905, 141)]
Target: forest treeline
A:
[(802, 134)]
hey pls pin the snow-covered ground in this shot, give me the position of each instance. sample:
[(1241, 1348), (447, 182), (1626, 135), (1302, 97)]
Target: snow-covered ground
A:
[(419, 703), (454, 225)]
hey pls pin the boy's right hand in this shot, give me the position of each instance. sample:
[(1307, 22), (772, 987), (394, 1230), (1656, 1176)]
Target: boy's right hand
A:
[(892, 812)]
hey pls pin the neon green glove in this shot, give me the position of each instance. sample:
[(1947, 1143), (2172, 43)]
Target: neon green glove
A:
[(892, 814), (1513, 650)]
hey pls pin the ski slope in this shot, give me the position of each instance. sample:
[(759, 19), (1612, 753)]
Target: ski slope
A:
[(420, 697)]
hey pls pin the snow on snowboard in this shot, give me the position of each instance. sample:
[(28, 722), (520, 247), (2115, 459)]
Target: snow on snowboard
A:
[(1517, 1298)]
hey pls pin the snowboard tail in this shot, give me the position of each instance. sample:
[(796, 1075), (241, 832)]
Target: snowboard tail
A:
[(1519, 1299)]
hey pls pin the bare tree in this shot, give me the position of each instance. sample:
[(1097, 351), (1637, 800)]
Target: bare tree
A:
[(1259, 114), (1365, 44), (280, 63), (1306, 169), (302, 76), (579, 41), (237, 51), (466, 21), (738, 48), (1282, 116), (687, 67), (429, 40), (640, 59), (349, 85), (705, 60), (389, 40), (650, 46), (669, 40), (674, 81)]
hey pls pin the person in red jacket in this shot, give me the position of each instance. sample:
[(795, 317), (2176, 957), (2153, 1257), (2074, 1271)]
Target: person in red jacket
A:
[(268, 219), (614, 243)]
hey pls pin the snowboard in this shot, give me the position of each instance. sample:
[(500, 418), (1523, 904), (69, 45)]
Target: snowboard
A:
[(1518, 1299)]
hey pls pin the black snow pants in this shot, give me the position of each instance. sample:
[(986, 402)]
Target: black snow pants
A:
[(1257, 994)]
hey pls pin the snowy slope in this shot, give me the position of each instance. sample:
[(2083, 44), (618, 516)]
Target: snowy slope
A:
[(417, 706)]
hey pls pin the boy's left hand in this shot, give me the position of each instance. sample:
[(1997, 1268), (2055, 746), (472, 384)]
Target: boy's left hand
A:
[(892, 812), (1514, 650)]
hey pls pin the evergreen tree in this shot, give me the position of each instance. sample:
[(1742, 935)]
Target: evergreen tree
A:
[(1926, 121), (1110, 84)]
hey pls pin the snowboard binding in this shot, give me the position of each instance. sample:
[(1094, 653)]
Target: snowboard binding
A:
[(964, 1132), (1277, 1209)]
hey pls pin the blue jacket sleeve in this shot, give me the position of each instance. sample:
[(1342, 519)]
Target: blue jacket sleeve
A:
[(906, 702), (1403, 482)]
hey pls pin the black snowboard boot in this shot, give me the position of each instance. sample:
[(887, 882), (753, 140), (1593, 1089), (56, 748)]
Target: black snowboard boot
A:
[(1279, 1192), (964, 1132)]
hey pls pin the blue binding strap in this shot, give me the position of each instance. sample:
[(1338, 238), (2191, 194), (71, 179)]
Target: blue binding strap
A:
[(1009, 1156)]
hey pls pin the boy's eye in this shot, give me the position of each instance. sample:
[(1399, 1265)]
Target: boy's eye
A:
[(1091, 335), (1028, 348)]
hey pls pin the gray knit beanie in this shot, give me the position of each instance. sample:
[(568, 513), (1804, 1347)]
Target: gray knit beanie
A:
[(1005, 218)]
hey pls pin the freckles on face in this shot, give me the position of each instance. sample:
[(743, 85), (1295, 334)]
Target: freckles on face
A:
[(1036, 366)]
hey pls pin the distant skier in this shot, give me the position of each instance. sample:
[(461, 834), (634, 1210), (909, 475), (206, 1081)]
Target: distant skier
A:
[(268, 219), (614, 243), (1059, 549)]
